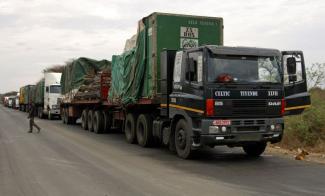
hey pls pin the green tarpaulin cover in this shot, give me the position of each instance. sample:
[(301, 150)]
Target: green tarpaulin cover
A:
[(128, 70), (136, 72), (74, 73), (39, 92)]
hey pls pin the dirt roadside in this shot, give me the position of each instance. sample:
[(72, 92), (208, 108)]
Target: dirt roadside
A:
[(296, 154)]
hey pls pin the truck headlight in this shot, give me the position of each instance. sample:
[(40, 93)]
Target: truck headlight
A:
[(272, 127), (214, 129)]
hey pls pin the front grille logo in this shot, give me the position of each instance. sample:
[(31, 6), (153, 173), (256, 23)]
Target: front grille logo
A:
[(222, 93), (273, 93), (274, 103), (248, 93)]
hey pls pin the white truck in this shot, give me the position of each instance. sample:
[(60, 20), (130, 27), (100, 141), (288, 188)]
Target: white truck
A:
[(46, 95)]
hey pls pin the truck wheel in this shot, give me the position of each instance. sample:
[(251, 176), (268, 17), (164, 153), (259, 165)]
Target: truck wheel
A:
[(144, 130), (129, 128), (98, 122), (84, 119), (255, 150), (90, 121), (183, 139)]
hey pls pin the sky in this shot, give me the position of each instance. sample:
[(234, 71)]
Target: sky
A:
[(35, 34)]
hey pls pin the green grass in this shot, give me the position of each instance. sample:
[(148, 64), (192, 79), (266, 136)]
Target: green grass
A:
[(308, 129)]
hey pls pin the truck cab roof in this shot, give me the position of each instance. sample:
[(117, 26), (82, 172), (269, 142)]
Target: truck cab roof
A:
[(240, 50)]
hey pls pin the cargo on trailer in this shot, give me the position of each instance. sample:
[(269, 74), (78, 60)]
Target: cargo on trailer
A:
[(85, 84), (136, 73), (25, 97), (78, 73)]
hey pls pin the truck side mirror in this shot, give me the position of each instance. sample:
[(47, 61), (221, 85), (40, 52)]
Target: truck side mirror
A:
[(292, 78), (291, 65)]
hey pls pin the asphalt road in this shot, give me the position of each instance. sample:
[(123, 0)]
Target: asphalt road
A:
[(65, 160)]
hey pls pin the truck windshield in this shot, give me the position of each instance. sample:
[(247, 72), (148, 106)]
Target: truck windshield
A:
[(243, 69), (55, 89)]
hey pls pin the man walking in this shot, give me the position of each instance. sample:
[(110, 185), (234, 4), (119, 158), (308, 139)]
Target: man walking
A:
[(31, 116)]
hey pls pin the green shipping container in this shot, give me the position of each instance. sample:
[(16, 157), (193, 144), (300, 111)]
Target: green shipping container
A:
[(136, 72)]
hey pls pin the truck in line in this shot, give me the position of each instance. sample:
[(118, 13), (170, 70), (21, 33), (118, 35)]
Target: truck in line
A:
[(178, 86), (25, 97), (46, 94)]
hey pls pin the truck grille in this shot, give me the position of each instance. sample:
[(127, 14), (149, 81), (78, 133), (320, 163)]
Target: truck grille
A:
[(248, 103), (249, 107)]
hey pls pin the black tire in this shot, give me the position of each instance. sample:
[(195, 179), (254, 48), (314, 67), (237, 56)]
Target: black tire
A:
[(107, 118), (255, 150), (144, 130), (98, 122), (129, 128), (84, 119), (90, 120), (183, 140)]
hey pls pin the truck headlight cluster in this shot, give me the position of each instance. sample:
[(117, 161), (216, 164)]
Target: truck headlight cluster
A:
[(214, 130), (272, 127), (276, 127), (217, 129)]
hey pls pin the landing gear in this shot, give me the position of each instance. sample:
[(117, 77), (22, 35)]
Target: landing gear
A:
[(107, 118), (63, 116)]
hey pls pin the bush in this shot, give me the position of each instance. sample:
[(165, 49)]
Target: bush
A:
[(307, 130)]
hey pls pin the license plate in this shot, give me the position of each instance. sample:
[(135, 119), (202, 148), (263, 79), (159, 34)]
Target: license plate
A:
[(221, 122)]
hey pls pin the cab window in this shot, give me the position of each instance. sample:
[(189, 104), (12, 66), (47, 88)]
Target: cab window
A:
[(178, 66)]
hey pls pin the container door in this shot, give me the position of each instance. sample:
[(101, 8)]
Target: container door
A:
[(295, 84)]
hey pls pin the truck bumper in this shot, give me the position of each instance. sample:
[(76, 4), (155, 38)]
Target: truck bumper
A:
[(55, 112), (239, 132)]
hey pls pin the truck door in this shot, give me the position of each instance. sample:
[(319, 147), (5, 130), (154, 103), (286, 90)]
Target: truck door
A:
[(297, 97)]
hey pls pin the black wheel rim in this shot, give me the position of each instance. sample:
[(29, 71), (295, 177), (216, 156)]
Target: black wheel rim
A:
[(181, 138)]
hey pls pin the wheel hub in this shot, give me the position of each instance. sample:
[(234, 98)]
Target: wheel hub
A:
[(181, 138)]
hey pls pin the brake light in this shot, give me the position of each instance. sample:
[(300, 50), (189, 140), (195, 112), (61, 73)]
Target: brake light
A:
[(209, 106), (283, 106)]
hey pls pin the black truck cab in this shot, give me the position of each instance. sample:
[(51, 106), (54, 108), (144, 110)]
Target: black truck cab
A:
[(235, 96)]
